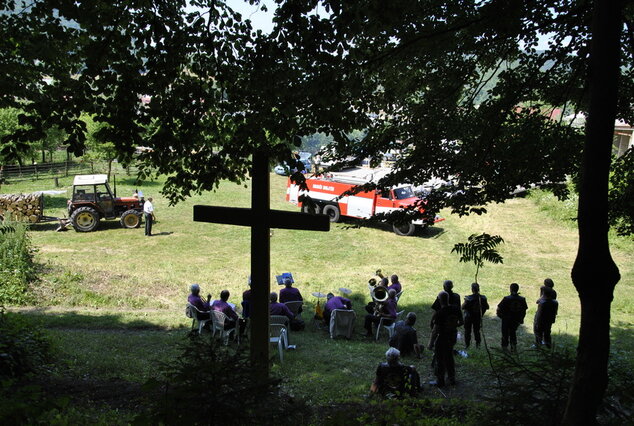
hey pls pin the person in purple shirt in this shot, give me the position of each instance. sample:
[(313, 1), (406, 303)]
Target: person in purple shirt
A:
[(279, 308), (396, 285), (197, 301), (290, 293), (224, 307), (386, 311), (335, 302)]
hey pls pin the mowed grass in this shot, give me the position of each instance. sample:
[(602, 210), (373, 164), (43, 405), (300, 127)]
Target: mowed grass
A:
[(117, 287)]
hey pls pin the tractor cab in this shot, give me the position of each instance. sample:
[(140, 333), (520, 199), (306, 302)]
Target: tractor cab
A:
[(94, 190)]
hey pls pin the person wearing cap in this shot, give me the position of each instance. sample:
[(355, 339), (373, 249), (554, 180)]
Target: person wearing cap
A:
[(393, 379), (405, 338), (511, 310), (197, 301), (335, 302), (474, 307), (276, 308)]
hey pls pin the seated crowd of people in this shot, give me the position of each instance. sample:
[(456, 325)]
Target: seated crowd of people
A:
[(449, 313)]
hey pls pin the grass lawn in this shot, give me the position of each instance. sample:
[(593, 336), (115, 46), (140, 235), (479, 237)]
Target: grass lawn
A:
[(114, 299)]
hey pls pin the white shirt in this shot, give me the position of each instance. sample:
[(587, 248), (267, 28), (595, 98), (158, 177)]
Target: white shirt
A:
[(148, 207)]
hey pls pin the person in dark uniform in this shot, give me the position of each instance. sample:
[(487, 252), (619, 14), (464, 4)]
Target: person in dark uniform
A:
[(512, 310), (393, 379), (454, 298), (446, 322), (405, 338), (548, 283), (474, 307), (335, 302), (545, 316)]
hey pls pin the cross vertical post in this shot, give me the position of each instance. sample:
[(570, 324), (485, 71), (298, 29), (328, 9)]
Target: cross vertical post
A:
[(260, 264)]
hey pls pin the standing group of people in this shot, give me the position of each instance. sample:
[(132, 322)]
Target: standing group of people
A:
[(449, 314)]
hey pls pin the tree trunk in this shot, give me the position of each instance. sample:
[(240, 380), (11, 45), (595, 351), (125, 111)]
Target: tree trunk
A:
[(593, 256)]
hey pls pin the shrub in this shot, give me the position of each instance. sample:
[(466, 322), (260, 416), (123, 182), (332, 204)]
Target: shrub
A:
[(212, 384), (23, 346), (17, 268), (533, 389)]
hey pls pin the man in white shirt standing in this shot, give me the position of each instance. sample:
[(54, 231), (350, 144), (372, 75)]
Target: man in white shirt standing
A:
[(148, 212)]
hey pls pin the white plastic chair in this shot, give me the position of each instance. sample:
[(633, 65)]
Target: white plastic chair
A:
[(218, 321), (194, 313), (342, 323), (390, 327), (398, 295), (294, 307), (284, 321), (277, 335)]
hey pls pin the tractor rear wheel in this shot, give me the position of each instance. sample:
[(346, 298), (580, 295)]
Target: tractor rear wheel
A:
[(85, 219), (130, 219), (404, 229)]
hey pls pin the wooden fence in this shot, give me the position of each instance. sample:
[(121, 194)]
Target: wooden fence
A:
[(15, 173)]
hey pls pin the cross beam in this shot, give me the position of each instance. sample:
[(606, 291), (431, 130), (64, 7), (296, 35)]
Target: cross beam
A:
[(261, 219)]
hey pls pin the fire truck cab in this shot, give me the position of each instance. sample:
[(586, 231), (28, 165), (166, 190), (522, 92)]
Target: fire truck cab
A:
[(327, 191)]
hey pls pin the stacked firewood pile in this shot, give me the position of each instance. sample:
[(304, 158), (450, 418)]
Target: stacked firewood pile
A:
[(22, 207)]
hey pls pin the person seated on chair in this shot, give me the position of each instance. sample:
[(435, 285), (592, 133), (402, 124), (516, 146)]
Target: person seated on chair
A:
[(335, 302), (198, 302), (405, 338), (290, 293), (387, 311), (396, 285), (393, 379), (246, 301), (276, 308), (224, 307)]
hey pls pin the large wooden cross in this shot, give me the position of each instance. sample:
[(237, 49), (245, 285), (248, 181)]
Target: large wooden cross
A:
[(261, 219)]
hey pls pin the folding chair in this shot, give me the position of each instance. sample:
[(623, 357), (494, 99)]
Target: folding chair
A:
[(294, 307), (218, 320), (277, 335), (194, 313), (390, 327), (342, 323)]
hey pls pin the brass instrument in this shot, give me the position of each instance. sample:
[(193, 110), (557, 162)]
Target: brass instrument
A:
[(379, 296)]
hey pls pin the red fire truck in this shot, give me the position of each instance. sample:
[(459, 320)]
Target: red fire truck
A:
[(326, 193)]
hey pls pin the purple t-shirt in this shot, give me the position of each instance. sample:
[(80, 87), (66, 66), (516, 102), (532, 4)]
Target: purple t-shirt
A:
[(396, 286), (389, 308), (225, 308), (290, 294), (198, 302), (281, 309), (337, 302)]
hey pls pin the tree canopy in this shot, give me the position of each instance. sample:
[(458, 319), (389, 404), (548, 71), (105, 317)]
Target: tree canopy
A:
[(459, 88)]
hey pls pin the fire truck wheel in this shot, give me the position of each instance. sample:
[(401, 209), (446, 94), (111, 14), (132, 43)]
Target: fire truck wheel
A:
[(332, 212), (85, 219), (305, 209), (130, 219), (405, 229)]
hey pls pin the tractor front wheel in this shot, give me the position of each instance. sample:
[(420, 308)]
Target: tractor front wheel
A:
[(85, 219), (130, 219)]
